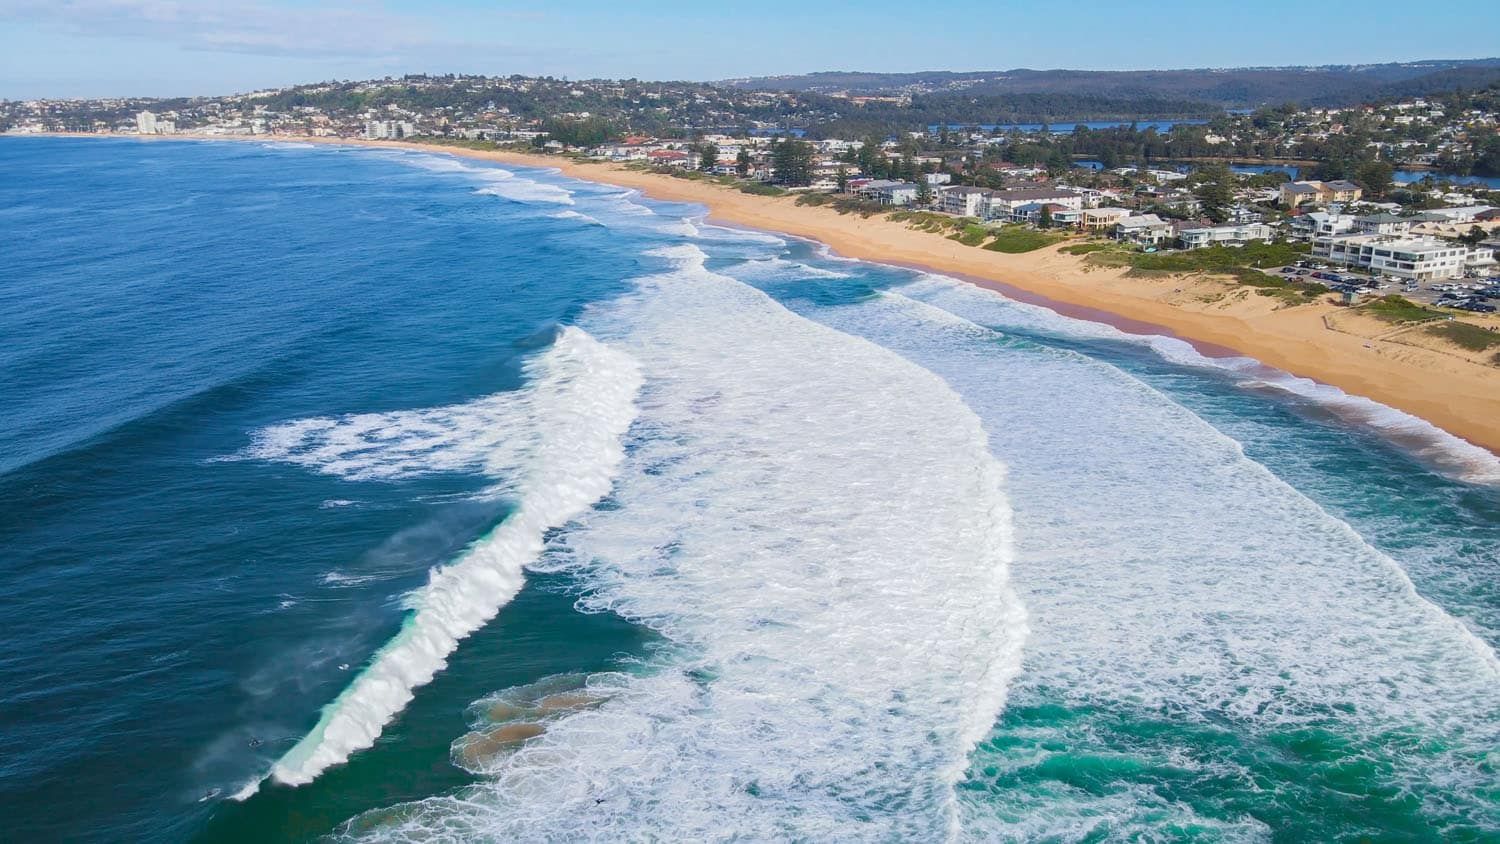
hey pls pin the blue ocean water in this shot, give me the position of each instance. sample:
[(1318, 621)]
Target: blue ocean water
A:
[(377, 494)]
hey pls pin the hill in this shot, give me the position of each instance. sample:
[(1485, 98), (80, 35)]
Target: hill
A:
[(1329, 85)]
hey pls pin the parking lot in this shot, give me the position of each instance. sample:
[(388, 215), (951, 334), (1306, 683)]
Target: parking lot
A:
[(1479, 295)]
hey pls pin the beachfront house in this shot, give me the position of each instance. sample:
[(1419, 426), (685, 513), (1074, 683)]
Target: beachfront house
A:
[(887, 192), (1419, 258), (1003, 203), (964, 201), (1035, 213), (1142, 230), (1316, 224), (1097, 220), (671, 158), (1204, 236)]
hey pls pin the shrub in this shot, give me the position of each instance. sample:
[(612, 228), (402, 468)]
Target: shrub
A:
[(761, 189)]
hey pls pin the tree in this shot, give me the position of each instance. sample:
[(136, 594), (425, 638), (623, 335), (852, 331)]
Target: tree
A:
[(1474, 236), (1375, 177), (843, 179), (792, 160), (869, 153), (708, 156), (742, 162), (1045, 220), (924, 191), (1216, 191)]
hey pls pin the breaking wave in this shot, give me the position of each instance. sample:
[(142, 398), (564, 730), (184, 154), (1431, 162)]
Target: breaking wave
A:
[(1453, 455), (820, 534), (553, 446)]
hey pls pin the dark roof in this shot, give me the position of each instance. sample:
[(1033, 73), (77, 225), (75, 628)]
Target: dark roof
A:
[(1343, 184), (1033, 193)]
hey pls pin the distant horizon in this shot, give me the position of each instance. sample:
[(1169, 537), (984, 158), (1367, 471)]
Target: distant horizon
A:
[(740, 79), (59, 49)]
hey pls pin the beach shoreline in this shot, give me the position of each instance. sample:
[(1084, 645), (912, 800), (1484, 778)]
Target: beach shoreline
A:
[(1459, 394)]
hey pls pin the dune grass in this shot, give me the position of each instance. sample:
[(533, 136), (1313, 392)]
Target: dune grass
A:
[(1017, 239), (1466, 335), (1401, 309)]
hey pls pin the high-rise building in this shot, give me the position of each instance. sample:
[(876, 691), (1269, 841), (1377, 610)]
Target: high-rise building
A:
[(145, 123)]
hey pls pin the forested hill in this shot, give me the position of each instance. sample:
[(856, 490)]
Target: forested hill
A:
[(1331, 85)]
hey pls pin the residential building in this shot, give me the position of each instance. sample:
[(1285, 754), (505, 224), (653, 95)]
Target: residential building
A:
[(1004, 202), (670, 158), (1423, 259), (1383, 224), (1143, 230), (887, 192), (1102, 219), (1316, 224), (964, 201), (1198, 238), (1035, 212), (1319, 193), (389, 129), (145, 123)]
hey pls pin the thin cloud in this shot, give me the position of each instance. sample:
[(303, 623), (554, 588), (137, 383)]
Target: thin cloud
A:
[(337, 31)]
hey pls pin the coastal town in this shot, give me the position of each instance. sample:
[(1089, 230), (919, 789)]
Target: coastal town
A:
[(1386, 199)]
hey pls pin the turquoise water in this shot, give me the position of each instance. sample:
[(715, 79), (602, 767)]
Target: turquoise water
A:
[(383, 495)]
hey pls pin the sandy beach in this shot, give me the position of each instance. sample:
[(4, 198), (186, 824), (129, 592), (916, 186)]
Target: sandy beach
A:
[(1456, 390)]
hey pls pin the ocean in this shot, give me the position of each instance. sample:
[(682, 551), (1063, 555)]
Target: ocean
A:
[(377, 495)]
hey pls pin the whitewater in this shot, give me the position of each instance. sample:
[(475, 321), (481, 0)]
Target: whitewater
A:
[(552, 447)]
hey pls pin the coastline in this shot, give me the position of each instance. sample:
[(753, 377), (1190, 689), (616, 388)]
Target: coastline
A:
[(1318, 340)]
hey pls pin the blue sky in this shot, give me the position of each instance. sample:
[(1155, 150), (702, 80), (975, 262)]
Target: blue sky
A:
[(178, 47)]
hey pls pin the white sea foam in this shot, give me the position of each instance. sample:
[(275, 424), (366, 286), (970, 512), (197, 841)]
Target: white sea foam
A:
[(714, 234), (819, 531), (1171, 577), (768, 269), (553, 445), (494, 181), (575, 215), (1437, 447)]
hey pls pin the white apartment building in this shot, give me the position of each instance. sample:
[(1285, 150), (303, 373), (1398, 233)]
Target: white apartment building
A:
[(145, 123), (965, 201), (1417, 258), (1224, 235), (380, 130)]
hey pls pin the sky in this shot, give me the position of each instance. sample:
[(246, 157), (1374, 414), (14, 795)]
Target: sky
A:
[(88, 48)]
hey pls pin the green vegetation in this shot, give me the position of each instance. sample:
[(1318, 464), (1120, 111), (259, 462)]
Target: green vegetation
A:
[(1215, 259), (928, 221), (1402, 309), (970, 235), (815, 199), (1475, 338), (761, 189), (1242, 263), (1017, 239), (793, 161), (1086, 248)]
